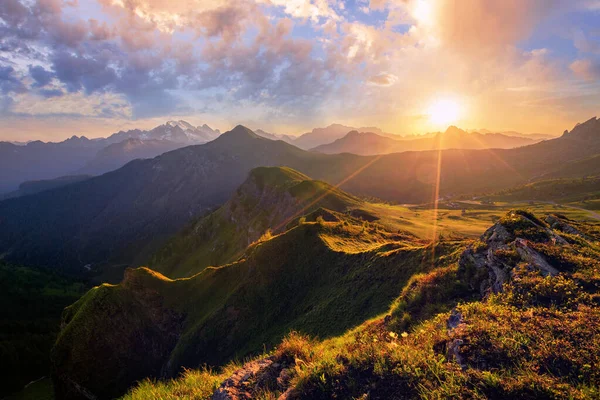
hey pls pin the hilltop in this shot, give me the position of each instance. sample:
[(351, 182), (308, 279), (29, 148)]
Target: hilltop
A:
[(319, 277), (263, 205)]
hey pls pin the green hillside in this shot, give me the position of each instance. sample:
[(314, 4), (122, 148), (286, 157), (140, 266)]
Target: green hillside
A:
[(32, 302), (557, 190), (269, 199), (521, 324), (321, 278)]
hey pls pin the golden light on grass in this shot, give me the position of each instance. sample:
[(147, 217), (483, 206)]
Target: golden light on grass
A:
[(444, 111)]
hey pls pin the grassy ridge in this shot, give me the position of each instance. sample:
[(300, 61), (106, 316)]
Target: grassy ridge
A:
[(267, 201), (295, 281), (537, 338)]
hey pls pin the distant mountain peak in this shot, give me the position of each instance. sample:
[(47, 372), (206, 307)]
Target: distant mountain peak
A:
[(241, 130), (588, 130), (239, 134), (453, 130), (180, 124)]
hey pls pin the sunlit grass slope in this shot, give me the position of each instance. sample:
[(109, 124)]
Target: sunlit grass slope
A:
[(266, 202), (321, 278), (536, 337)]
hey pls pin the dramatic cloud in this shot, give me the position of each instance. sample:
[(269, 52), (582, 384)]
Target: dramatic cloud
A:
[(287, 65)]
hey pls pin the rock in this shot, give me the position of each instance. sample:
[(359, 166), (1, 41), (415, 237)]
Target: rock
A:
[(454, 320), (240, 385), (557, 223), (533, 258), (453, 352), (498, 240)]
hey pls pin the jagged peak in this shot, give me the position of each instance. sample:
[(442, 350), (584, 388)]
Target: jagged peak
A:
[(180, 124), (589, 129)]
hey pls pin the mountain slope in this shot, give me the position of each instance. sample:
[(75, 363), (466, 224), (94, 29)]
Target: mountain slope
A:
[(275, 136), (368, 143), (115, 216), (123, 216), (265, 203), (33, 187), (515, 317), (319, 277), (116, 155), (559, 190), (41, 161)]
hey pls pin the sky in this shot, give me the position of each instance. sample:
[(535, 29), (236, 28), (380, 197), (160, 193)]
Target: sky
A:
[(93, 67)]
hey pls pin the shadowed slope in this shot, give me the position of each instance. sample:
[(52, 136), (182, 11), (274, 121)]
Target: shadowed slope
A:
[(266, 202)]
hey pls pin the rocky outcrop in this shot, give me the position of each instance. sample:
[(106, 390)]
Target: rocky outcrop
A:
[(487, 264), (268, 373), (563, 225)]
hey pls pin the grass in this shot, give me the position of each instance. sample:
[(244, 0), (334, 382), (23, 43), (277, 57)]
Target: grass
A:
[(558, 190), (538, 338), (198, 384), (320, 278), (276, 197), (267, 201)]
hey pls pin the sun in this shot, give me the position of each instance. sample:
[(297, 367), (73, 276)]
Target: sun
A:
[(444, 111)]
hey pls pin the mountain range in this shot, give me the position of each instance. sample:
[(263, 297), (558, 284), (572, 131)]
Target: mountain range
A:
[(122, 217), (321, 136), (79, 155), (369, 143)]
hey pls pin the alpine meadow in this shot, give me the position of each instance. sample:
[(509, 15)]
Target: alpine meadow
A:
[(304, 199)]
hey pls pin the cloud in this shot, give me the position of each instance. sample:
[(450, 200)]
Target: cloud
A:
[(286, 61), (40, 75), (307, 9), (383, 79), (9, 83), (586, 69)]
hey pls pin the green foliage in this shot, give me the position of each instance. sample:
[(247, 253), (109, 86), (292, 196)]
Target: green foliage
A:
[(31, 303), (563, 190), (426, 295), (518, 223), (319, 279)]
